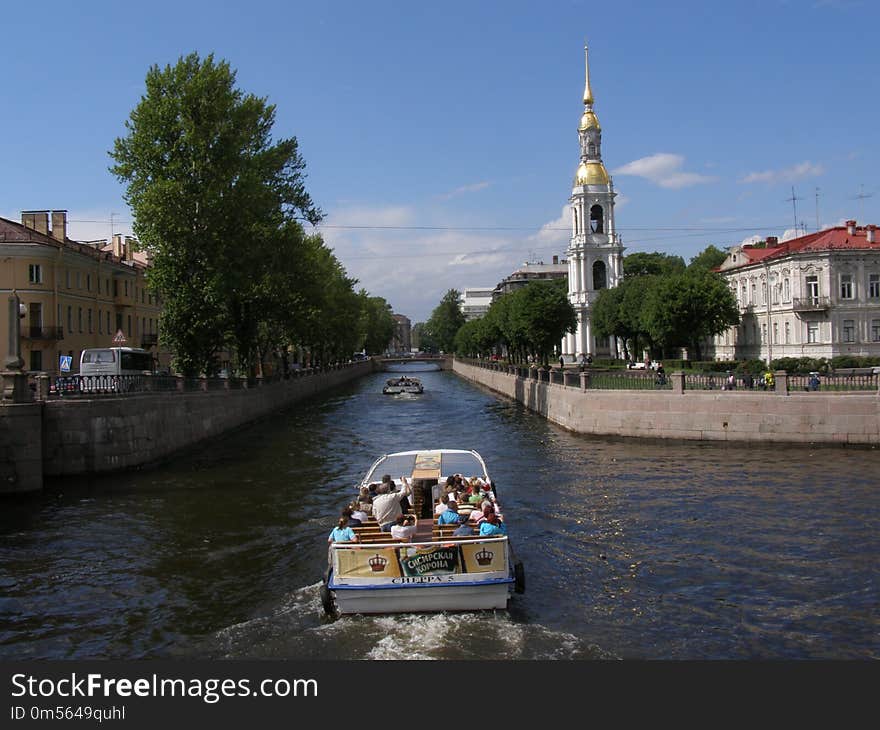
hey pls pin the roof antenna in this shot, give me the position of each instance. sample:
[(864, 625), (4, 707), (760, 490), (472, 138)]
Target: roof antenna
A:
[(861, 198), (794, 200)]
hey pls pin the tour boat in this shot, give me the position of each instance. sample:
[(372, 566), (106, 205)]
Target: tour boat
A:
[(403, 384), (435, 571)]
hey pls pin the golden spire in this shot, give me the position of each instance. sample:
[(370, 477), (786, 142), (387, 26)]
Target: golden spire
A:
[(588, 94)]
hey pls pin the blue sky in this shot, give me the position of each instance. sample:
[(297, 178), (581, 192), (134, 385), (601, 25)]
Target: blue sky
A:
[(441, 139)]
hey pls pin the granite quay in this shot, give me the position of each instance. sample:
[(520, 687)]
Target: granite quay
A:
[(87, 433), (687, 407)]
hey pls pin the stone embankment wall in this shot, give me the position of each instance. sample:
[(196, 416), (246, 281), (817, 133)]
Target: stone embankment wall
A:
[(84, 436), (742, 416)]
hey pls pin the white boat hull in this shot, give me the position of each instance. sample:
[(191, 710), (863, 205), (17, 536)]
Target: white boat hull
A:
[(418, 599)]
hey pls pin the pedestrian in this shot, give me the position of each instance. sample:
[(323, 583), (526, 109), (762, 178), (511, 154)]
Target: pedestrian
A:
[(561, 362)]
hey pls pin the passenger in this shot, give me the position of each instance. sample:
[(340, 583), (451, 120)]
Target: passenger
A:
[(464, 529), (365, 501), (386, 505), (348, 513), (342, 532), (442, 505), (478, 515), (492, 526), (450, 516), (405, 527), (357, 513)]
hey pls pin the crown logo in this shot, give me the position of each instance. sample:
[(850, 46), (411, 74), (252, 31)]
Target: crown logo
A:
[(484, 557), (378, 563)]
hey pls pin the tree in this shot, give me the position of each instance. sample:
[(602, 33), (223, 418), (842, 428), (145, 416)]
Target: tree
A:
[(377, 323), (541, 314), (211, 194), (422, 339), (684, 309), (445, 321), (708, 259), (652, 264)]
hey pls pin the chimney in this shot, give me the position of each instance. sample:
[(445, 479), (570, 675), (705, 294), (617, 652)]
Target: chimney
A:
[(772, 241), (851, 227), (555, 259), (59, 225), (869, 232), (118, 246), (129, 248), (36, 220)]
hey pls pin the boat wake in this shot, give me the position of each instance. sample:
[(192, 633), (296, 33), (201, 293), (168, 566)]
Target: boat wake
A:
[(297, 629)]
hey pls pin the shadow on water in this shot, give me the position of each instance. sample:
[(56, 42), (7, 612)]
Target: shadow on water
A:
[(632, 549)]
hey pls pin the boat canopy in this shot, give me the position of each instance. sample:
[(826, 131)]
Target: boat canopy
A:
[(427, 465)]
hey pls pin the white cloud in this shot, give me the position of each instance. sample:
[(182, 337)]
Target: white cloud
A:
[(472, 188), (663, 169), (750, 240), (556, 233), (789, 174), (790, 233)]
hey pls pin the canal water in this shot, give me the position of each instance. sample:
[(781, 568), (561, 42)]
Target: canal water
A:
[(632, 549)]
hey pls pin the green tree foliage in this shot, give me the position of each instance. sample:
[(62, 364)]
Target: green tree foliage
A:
[(530, 321), (422, 339), (618, 312), (709, 258), (218, 201), (377, 323), (652, 264), (683, 309), (445, 321)]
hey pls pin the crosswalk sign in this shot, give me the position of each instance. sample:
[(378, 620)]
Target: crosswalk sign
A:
[(64, 365), (119, 338)]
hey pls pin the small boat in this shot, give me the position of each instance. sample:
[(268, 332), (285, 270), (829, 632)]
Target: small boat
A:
[(403, 384), (435, 570)]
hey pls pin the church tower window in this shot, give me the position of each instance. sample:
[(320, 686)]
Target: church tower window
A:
[(596, 224), (599, 281)]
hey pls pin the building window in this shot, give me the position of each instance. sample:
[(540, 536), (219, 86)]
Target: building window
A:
[(70, 320), (36, 359), (763, 292), (129, 326), (108, 323), (596, 222), (787, 334), (119, 322), (88, 282), (35, 273), (775, 333), (115, 288), (599, 275), (107, 288), (812, 332), (849, 330), (753, 294), (90, 321), (813, 289), (58, 319), (126, 288), (78, 280), (100, 322), (846, 286), (763, 333), (875, 330), (79, 318), (874, 286), (786, 290), (67, 278)]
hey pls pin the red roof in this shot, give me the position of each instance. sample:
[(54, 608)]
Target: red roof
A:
[(837, 238)]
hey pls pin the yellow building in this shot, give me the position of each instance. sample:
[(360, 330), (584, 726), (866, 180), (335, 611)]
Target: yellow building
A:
[(78, 294)]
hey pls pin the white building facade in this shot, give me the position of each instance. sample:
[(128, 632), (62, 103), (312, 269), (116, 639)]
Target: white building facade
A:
[(595, 252), (814, 296), (476, 301)]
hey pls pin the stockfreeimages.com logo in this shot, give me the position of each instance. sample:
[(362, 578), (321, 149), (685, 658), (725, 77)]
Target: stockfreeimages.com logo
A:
[(208, 690)]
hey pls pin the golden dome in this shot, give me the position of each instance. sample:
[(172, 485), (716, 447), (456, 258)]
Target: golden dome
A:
[(589, 121), (591, 173)]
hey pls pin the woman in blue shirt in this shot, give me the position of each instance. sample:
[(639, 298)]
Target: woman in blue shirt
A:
[(492, 526), (342, 533)]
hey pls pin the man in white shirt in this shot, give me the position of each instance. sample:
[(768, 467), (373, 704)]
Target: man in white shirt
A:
[(386, 504)]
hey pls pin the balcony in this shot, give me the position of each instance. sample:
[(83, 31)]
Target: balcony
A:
[(810, 304), (42, 333), (149, 340)]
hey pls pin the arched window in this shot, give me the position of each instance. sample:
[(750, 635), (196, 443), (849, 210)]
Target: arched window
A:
[(596, 224), (576, 230), (599, 275)]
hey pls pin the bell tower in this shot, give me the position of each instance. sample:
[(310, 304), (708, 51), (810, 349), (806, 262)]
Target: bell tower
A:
[(595, 252)]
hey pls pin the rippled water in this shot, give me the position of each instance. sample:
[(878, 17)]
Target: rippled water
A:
[(632, 549)]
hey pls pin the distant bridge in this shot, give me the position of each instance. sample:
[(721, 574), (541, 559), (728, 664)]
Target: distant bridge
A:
[(442, 362)]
